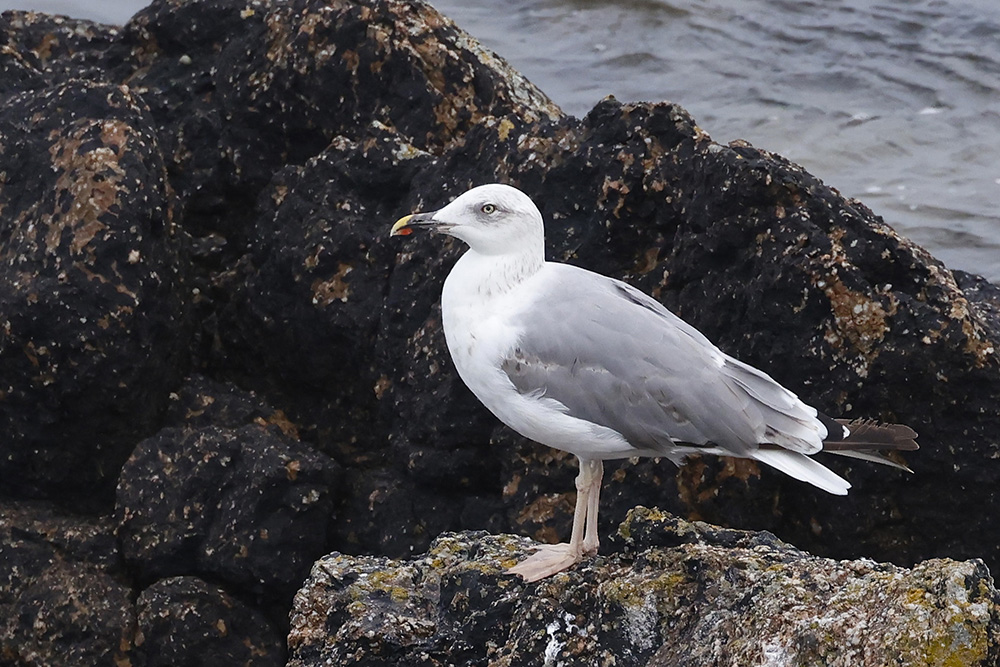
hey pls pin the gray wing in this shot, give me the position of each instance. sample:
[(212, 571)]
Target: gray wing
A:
[(618, 358)]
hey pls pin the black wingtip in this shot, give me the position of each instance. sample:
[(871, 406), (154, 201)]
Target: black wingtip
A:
[(867, 434)]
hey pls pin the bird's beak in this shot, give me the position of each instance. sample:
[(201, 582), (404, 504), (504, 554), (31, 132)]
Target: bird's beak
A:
[(408, 223)]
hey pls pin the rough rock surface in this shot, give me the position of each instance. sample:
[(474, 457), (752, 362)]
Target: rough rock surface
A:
[(194, 268), (64, 597), (186, 621), (67, 598), (678, 593), (87, 277), (246, 506)]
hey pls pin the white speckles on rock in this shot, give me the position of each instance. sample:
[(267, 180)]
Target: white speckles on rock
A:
[(718, 597)]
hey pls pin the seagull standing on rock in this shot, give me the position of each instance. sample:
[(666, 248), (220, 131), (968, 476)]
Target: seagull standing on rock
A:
[(592, 366)]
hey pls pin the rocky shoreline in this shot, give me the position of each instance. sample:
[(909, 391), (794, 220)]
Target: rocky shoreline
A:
[(217, 368)]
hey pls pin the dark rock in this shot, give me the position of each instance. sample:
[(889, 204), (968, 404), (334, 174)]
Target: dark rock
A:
[(307, 325), (202, 401), (16, 73), (239, 91), (186, 621), (57, 48), (87, 288), (716, 597), (767, 260), (247, 506), (63, 597), (307, 312)]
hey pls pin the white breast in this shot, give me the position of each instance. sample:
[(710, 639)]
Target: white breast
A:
[(475, 316)]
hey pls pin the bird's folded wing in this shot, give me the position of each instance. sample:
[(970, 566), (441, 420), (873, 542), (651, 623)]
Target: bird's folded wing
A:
[(616, 357)]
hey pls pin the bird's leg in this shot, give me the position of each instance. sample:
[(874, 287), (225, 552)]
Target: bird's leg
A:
[(582, 504), (591, 539), (552, 558)]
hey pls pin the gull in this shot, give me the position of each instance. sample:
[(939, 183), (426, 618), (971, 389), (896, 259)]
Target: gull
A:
[(590, 365)]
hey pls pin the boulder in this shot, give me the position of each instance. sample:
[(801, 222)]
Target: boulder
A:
[(247, 506), (674, 593), (241, 91), (64, 595), (88, 286), (186, 621), (40, 50), (202, 402)]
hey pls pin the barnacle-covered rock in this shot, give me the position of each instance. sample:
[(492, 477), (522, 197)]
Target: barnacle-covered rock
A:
[(676, 594), (65, 598), (187, 621), (247, 506), (89, 286)]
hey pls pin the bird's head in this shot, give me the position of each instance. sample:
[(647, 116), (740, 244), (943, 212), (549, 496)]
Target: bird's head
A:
[(492, 219)]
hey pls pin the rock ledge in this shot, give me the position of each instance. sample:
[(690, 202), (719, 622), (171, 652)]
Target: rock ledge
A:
[(672, 593)]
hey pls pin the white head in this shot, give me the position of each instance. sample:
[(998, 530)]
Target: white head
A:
[(492, 219)]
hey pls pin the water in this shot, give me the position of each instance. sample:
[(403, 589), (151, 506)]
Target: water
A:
[(896, 102), (105, 11)]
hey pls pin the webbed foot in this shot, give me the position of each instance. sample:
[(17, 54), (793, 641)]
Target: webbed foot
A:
[(548, 560)]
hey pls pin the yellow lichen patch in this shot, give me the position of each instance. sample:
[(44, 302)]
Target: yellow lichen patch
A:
[(326, 292), (384, 581), (452, 551), (90, 180), (650, 514), (915, 596), (638, 592), (504, 128), (644, 601), (642, 515)]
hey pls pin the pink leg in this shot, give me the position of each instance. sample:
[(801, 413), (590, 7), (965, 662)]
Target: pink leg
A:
[(552, 558), (591, 538)]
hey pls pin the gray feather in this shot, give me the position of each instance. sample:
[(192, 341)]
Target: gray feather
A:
[(616, 357)]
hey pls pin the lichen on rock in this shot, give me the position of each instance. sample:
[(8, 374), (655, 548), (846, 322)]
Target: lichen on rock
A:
[(672, 593)]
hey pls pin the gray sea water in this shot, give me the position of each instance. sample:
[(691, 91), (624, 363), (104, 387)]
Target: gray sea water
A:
[(895, 102)]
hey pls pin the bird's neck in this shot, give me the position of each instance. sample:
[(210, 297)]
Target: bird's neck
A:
[(492, 275)]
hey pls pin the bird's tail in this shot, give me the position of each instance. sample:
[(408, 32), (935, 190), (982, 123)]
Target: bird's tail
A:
[(868, 440), (860, 439)]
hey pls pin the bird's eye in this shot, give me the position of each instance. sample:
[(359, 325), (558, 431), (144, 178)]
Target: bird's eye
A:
[(489, 209)]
